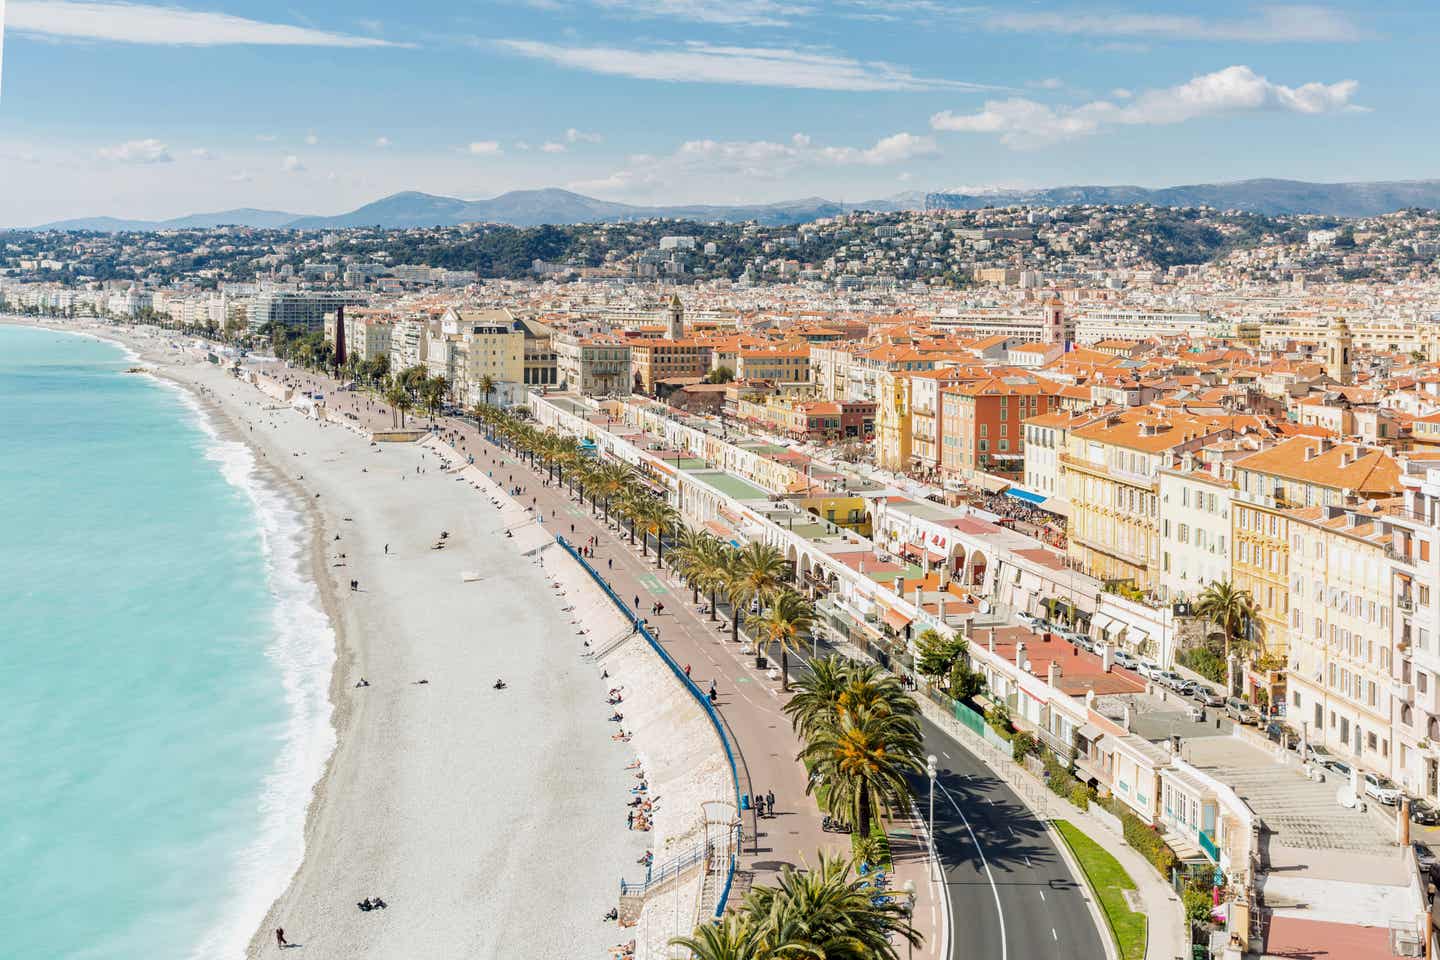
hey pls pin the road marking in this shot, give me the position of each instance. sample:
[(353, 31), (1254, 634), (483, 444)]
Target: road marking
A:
[(1054, 934), (1042, 894), (994, 890), (1027, 861), (945, 755)]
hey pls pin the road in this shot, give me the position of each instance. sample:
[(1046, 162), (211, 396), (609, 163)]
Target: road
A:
[(1012, 896)]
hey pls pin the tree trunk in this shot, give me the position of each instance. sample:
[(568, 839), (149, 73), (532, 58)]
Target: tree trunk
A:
[(713, 615), (784, 669), (734, 622), (863, 813)]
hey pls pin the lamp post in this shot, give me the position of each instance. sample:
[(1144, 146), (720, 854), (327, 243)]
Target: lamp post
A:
[(931, 768), (910, 909)]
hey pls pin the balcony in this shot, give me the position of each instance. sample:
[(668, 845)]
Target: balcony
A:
[(1405, 603), (1208, 846)]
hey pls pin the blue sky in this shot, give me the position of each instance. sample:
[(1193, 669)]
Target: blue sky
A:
[(145, 110)]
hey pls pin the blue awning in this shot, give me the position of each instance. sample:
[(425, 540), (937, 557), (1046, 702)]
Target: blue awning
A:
[(1025, 495)]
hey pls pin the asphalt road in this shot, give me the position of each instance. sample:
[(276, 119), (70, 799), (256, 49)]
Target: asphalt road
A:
[(1012, 896)]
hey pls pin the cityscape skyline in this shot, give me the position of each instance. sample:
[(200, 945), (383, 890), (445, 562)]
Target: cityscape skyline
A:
[(765, 100)]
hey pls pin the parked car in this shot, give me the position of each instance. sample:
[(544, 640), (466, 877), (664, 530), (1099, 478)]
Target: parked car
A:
[(1240, 711), (1277, 732), (1029, 619), (1174, 681), (1384, 789), (1148, 669), (1208, 696), (1425, 813), (1324, 758), (1126, 659)]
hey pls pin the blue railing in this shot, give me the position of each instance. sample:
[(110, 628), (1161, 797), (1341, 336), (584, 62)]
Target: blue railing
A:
[(654, 876), (686, 682)]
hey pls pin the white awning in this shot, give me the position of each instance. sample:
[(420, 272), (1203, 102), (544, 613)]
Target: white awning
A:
[(1090, 732), (1100, 623), (1136, 636), (1030, 582)]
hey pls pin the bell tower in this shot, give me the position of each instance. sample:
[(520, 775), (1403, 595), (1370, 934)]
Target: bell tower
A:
[(1053, 328), (676, 329), (1338, 343)]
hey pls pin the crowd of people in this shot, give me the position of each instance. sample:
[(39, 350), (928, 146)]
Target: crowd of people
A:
[(1025, 517)]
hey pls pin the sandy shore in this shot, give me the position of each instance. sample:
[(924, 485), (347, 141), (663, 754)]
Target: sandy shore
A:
[(491, 821)]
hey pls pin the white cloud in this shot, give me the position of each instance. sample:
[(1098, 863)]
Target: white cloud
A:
[(522, 145), (168, 26), (292, 164), (752, 160), (749, 13), (1023, 123), (1281, 23), (485, 148), (240, 176), (895, 148), (580, 136), (1049, 83), (200, 153), (697, 62), (149, 150), (265, 137), (382, 141), (311, 139), (553, 147)]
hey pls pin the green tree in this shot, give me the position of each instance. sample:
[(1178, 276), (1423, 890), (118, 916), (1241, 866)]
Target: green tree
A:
[(784, 621), (863, 759), (1228, 608)]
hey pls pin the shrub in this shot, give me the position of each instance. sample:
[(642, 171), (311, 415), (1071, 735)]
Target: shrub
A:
[(1207, 663), (1023, 745), (1058, 777), (1080, 796), (1198, 908)]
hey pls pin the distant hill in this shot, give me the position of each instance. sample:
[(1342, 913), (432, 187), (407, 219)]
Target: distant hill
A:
[(520, 208), (528, 208), (1271, 197)]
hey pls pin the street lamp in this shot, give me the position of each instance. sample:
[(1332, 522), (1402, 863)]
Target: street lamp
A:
[(910, 908), (932, 766)]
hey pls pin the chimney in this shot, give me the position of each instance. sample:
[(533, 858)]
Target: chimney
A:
[(917, 596), (1125, 718), (969, 627), (1020, 658), (899, 586), (1090, 699), (1052, 674), (940, 612), (1105, 654), (991, 641)]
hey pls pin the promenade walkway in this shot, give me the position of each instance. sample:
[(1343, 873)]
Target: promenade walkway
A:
[(749, 701)]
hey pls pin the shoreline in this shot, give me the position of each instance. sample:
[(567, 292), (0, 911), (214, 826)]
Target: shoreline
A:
[(363, 833), (216, 420)]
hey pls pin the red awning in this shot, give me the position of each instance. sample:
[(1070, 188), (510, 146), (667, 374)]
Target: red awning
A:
[(896, 620)]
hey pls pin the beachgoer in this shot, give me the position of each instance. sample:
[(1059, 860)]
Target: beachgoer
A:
[(280, 940), (770, 802), (687, 670)]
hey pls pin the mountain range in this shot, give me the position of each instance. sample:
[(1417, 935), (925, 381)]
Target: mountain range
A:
[(528, 208)]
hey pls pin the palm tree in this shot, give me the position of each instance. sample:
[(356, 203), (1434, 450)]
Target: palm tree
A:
[(727, 939), (487, 387), (863, 758), (393, 396), (1230, 610), (688, 557), (787, 617), (824, 914), (713, 574), (815, 703), (404, 403), (657, 517), (758, 570)]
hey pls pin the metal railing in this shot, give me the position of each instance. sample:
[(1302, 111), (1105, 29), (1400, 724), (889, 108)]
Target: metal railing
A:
[(674, 867), (710, 712)]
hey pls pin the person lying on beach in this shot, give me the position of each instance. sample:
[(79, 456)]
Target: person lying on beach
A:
[(363, 683), (622, 736), (500, 684), (617, 717), (614, 914)]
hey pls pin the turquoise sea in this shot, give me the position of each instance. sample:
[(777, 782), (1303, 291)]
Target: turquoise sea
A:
[(163, 690)]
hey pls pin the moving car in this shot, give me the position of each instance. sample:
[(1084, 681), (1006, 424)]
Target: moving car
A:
[(1384, 789)]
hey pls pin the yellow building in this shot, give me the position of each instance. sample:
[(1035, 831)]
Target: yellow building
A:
[(892, 421), (1111, 480), (847, 512), (1300, 472)]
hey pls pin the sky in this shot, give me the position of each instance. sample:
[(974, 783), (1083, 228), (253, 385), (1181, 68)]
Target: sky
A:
[(145, 110)]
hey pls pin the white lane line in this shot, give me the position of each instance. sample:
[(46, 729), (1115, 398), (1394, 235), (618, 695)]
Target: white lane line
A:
[(1055, 935), (1042, 894), (945, 755), (994, 890), (1027, 861)]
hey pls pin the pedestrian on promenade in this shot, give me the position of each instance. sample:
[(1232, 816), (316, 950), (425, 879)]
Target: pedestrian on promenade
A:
[(687, 671), (770, 802), (637, 601), (610, 564)]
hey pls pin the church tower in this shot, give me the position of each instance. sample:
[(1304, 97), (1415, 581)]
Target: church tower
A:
[(676, 330), (1337, 351), (1053, 330)]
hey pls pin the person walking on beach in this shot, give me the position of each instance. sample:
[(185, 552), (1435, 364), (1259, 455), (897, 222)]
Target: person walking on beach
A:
[(280, 940)]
